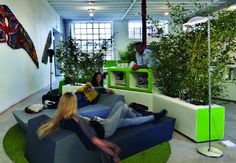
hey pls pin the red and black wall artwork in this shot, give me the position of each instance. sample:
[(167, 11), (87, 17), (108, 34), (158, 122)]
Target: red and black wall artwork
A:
[(47, 46), (13, 33)]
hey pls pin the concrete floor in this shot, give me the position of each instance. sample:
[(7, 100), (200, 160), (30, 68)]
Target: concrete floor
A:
[(183, 150)]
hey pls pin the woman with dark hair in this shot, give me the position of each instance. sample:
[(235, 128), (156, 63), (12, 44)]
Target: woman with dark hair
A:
[(97, 82)]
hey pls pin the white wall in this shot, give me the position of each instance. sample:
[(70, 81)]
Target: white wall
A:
[(121, 37), (19, 77)]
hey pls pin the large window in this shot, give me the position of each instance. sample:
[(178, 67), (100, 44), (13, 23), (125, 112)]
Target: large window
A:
[(90, 36), (135, 29)]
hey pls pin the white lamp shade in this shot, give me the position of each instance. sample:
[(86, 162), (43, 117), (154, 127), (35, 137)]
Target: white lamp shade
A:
[(232, 8), (197, 20)]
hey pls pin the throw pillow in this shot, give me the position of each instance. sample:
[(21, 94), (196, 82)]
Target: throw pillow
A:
[(88, 91)]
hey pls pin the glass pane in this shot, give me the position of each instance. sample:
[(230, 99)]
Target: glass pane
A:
[(137, 25), (95, 25), (95, 31), (84, 43), (90, 36), (131, 25), (83, 31), (108, 25), (77, 37), (102, 31), (77, 25), (84, 37), (108, 36), (108, 31), (96, 42), (137, 30), (83, 25), (84, 48), (102, 36), (102, 25), (137, 35), (131, 35), (131, 31), (77, 31), (95, 37), (89, 31), (89, 25)]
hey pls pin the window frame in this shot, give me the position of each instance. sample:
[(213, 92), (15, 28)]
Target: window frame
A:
[(89, 36)]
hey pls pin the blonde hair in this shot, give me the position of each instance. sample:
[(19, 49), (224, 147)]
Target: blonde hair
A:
[(67, 108)]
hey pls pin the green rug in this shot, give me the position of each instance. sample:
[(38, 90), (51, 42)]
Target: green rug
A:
[(14, 144)]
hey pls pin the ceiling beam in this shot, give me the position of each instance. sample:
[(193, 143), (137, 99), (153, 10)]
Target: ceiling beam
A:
[(127, 11)]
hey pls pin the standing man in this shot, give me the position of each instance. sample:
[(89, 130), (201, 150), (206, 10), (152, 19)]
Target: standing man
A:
[(142, 56)]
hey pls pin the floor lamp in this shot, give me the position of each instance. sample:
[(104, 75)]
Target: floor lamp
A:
[(50, 54), (208, 150)]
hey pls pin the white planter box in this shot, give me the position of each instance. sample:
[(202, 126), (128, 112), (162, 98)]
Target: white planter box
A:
[(191, 120)]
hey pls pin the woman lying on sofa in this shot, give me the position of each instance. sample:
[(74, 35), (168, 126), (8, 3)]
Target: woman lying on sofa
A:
[(96, 129)]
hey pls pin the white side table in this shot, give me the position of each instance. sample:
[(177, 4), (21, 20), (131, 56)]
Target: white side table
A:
[(70, 88)]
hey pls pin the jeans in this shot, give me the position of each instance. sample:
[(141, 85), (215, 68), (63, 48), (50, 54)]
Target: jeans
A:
[(122, 116)]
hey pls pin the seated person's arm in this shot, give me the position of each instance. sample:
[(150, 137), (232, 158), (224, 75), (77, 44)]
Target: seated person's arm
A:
[(136, 67), (109, 91), (102, 90), (109, 147)]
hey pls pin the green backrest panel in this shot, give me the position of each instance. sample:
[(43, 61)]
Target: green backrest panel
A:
[(110, 63)]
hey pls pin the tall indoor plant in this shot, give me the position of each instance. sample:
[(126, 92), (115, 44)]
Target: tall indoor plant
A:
[(182, 71), (76, 65), (128, 54), (68, 58)]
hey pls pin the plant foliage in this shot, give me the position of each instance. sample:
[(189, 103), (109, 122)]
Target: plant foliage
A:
[(76, 65), (183, 55), (128, 54)]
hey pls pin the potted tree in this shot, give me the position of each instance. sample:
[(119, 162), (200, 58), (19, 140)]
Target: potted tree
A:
[(182, 71), (76, 65)]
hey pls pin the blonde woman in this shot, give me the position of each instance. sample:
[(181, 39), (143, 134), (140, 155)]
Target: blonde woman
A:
[(95, 128)]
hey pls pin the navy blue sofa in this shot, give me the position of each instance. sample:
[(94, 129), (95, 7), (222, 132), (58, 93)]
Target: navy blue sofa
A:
[(101, 109), (64, 146)]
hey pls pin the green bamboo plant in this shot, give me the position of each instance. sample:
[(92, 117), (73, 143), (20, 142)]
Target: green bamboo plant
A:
[(76, 65), (182, 71)]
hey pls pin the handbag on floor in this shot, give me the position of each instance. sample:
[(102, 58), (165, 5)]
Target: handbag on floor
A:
[(50, 100), (35, 108)]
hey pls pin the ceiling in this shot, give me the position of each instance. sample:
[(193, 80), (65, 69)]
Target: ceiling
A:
[(108, 10)]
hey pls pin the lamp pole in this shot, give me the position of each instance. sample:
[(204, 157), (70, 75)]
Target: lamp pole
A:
[(208, 151), (209, 77), (144, 24)]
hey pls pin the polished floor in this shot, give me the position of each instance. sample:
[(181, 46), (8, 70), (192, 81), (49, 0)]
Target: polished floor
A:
[(183, 150)]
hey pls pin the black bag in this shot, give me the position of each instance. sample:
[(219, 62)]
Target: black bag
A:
[(138, 107), (51, 100), (99, 129)]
